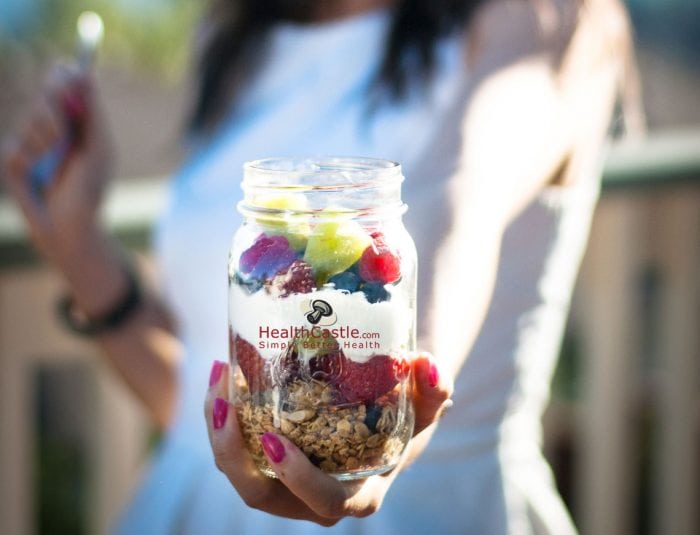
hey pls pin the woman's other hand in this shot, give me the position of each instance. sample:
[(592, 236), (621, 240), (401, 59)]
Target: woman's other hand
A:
[(62, 216), (303, 491), (62, 219)]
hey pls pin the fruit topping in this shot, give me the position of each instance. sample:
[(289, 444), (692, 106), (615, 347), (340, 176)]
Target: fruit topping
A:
[(283, 202), (335, 246), (346, 281), (298, 278), (379, 263), (249, 285), (268, 256), (375, 292), (286, 223)]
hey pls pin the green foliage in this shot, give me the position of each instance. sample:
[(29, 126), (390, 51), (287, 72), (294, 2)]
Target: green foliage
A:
[(151, 36)]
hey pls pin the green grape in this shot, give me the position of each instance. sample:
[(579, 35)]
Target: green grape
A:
[(335, 246), (291, 227)]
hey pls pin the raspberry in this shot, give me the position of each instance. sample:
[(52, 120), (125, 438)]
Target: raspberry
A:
[(282, 369), (357, 381), (251, 363), (366, 381), (268, 256), (298, 279), (378, 263)]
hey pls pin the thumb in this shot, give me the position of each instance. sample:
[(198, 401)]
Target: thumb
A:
[(431, 392)]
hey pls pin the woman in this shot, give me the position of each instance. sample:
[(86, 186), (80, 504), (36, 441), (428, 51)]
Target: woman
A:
[(497, 111)]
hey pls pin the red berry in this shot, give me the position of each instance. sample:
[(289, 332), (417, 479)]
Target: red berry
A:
[(378, 263), (366, 381), (358, 381), (251, 363), (298, 278)]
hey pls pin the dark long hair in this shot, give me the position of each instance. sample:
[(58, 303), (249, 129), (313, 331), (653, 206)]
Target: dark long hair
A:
[(235, 37)]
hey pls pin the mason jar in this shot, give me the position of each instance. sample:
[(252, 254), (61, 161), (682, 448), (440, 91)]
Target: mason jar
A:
[(322, 284)]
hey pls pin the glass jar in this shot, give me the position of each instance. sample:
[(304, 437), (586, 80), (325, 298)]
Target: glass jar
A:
[(322, 283)]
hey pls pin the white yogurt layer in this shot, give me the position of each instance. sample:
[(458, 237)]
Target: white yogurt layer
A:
[(362, 329)]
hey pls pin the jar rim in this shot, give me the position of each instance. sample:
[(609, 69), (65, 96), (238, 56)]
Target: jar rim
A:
[(322, 172), (282, 214)]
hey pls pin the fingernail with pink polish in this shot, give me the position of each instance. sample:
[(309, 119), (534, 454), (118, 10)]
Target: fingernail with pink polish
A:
[(274, 449), (433, 376), (215, 374), (220, 412)]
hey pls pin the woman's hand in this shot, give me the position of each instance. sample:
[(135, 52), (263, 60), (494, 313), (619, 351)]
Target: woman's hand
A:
[(302, 491), (62, 216)]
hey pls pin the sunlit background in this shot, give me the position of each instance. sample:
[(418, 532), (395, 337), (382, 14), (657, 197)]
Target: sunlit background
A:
[(623, 430)]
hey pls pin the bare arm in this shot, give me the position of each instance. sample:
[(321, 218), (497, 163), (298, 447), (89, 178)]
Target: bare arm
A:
[(526, 117), (144, 350)]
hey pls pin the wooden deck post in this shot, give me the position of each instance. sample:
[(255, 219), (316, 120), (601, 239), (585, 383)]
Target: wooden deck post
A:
[(677, 356), (606, 316)]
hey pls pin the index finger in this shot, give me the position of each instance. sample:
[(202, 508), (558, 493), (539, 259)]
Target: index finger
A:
[(432, 389)]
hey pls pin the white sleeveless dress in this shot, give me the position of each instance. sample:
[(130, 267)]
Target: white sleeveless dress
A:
[(483, 472)]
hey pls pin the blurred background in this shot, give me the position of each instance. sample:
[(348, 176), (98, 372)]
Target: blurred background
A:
[(623, 429)]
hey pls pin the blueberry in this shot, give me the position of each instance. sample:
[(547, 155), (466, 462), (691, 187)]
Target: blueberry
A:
[(375, 292), (249, 285), (346, 280), (354, 269), (372, 417)]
